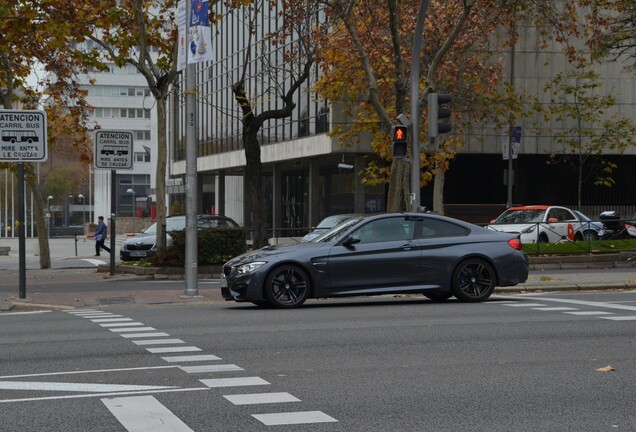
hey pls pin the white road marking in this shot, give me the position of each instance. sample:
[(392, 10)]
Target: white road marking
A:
[(158, 341), (234, 382), (141, 335), (126, 324), (76, 387), (301, 417), (585, 313), (131, 329), (103, 320), (211, 368), (260, 398), (555, 309), (606, 305), (87, 371), (521, 304), (90, 395), (174, 359), (144, 414), (172, 349), (22, 313), (620, 318), (83, 311), (104, 315)]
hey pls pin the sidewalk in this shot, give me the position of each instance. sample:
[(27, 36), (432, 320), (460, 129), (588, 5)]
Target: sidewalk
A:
[(547, 274)]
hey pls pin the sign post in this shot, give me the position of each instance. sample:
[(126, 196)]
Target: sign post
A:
[(22, 139), (113, 150)]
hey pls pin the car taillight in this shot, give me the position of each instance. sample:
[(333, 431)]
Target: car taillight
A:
[(515, 243)]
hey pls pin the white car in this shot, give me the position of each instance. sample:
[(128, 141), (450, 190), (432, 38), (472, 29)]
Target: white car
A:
[(538, 223)]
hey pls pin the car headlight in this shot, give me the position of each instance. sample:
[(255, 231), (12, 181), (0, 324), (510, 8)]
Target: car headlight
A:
[(249, 267), (528, 230)]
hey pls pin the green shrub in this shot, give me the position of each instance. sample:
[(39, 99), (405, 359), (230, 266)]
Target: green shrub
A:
[(215, 246)]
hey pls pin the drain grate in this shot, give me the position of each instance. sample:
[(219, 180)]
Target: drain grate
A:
[(115, 300)]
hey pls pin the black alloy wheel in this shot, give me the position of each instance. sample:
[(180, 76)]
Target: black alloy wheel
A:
[(287, 286), (473, 280)]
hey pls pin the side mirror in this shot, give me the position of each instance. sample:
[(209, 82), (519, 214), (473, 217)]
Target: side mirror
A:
[(552, 220), (350, 240), (492, 221)]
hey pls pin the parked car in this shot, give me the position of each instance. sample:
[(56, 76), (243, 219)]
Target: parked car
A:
[(616, 228), (538, 223), (326, 224), (426, 253), (589, 230), (143, 245)]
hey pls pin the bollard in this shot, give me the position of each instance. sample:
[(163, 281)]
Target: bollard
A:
[(75, 237)]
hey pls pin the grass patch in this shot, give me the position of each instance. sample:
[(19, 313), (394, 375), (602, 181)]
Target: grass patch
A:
[(581, 247)]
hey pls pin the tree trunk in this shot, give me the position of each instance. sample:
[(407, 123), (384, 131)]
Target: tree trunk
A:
[(253, 173), (160, 177), (438, 190), (398, 198), (40, 223)]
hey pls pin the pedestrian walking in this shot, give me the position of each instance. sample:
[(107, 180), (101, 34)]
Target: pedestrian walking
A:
[(100, 236)]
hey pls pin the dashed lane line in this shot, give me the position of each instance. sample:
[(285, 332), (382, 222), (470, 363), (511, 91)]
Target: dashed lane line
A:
[(288, 418), (261, 398)]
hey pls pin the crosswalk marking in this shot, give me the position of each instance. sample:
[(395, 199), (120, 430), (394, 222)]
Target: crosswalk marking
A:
[(524, 304), (192, 358), (301, 417), (142, 335), (620, 318), (158, 341), (555, 309), (234, 382), (172, 349), (102, 315), (104, 320), (211, 368), (591, 313), (131, 329), (143, 414), (261, 398), (126, 324)]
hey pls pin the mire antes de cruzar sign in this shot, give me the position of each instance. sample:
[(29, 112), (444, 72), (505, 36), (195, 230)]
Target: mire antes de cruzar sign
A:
[(113, 149), (23, 136)]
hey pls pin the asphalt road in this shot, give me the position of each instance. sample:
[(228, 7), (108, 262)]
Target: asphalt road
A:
[(516, 363)]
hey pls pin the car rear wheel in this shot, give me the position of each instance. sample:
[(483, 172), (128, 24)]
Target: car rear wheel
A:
[(287, 286), (473, 280), (438, 296)]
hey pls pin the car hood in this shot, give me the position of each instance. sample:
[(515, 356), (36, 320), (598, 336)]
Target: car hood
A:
[(276, 252), (510, 228), (142, 238)]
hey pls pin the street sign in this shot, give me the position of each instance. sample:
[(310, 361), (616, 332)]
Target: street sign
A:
[(23, 136), (516, 143), (113, 150)]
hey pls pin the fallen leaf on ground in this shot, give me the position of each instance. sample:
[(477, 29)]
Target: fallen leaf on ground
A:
[(607, 368)]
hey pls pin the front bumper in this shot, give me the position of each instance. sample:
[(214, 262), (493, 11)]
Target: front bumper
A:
[(242, 287)]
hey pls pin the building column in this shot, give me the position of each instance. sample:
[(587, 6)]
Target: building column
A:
[(314, 193), (359, 197), (219, 194), (277, 204)]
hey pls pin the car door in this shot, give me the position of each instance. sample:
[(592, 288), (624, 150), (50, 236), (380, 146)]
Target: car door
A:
[(564, 226), (385, 256)]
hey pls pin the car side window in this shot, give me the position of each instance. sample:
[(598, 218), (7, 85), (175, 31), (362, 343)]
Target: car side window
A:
[(428, 228), (385, 230)]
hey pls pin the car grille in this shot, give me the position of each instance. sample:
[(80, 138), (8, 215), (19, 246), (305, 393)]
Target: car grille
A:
[(227, 270), (135, 247)]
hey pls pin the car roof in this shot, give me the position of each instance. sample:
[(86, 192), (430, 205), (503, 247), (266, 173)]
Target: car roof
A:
[(531, 207)]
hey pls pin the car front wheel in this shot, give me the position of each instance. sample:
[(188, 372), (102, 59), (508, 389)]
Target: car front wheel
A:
[(287, 286), (473, 280)]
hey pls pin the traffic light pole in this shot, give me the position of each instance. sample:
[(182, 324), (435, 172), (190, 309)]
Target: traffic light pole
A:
[(415, 106)]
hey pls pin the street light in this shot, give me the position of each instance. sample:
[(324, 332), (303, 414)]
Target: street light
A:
[(81, 196), (48, 202), (134, 205), (68, 210)]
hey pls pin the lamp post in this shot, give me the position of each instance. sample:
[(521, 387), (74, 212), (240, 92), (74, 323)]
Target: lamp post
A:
[(134, 205), (81, 196), (68, 210), (48, 225)]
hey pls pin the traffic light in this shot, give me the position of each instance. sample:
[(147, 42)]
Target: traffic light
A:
[(437, 112), (399, 137)]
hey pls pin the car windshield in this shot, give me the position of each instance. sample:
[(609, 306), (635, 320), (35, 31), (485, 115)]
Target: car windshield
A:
[(516, 216), (581, 216), (172, 224), (336, 231), (332, 221)]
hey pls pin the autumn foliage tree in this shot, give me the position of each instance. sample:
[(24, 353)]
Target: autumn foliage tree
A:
[(36, 33)]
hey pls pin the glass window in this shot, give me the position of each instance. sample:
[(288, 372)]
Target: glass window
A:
[(439, 228), (386, 230), (122, 112), (131, 91)]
